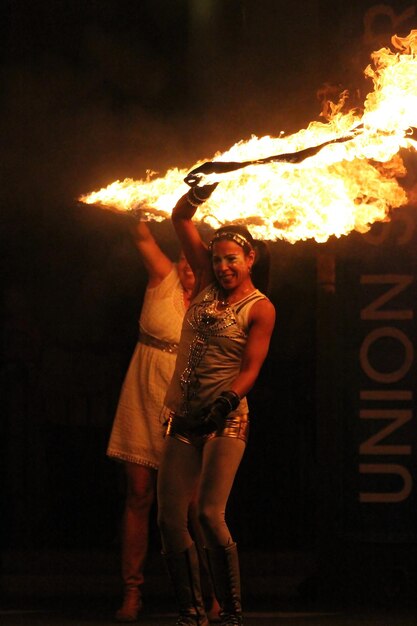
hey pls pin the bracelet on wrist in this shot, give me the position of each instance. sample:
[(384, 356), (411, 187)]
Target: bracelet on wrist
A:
[(192, 200), (196, 196)]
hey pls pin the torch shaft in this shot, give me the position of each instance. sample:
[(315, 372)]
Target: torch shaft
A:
[(194, 178)]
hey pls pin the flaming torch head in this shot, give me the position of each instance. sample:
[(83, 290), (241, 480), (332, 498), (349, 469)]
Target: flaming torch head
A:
[(303, 193)]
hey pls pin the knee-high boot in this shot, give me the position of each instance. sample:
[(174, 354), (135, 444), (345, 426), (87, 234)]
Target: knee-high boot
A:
[(224, 569), (183, 569), (134, 549)]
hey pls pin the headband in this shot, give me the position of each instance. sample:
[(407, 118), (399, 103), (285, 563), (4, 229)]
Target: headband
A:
[(241, 240)]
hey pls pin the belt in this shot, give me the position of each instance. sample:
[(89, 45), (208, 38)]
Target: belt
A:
[(159, 344)]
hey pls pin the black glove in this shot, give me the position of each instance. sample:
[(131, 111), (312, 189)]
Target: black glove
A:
[(198, 195), (215, 413)]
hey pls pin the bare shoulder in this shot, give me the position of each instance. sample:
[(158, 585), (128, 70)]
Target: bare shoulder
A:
[(264, 305), (263, 311)]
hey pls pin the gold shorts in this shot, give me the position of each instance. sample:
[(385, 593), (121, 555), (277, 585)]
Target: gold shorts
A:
[(236, 427)]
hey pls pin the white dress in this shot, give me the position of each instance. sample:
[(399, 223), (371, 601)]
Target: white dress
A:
[(138, 430)]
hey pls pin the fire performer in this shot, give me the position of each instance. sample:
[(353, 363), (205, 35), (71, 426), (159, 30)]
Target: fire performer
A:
[(138, 432), (224, 341)]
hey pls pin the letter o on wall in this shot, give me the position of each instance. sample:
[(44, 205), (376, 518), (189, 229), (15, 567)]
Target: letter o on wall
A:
[(379, 333)]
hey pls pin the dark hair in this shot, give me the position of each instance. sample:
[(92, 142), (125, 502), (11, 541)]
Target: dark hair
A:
[(261, 265)]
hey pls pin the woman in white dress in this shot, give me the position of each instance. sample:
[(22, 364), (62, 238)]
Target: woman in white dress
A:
[(138, 430)]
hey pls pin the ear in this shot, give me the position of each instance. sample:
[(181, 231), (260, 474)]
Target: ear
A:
[(251, 258)]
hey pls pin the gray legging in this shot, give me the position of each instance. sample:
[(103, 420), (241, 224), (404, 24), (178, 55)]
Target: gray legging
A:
[(208, 470)]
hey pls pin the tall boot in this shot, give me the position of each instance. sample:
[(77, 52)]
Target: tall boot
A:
[(224, 569), (210, 600), (183, 569), (134, 549)]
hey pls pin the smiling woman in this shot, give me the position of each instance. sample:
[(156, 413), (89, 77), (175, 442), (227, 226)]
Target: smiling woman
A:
[(224, 342), (255, 250)]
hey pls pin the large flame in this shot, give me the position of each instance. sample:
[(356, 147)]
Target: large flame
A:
[(345, 186)]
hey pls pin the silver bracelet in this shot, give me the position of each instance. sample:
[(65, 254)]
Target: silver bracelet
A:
[(193, 199)]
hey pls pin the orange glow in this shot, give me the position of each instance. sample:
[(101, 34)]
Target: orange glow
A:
[(345, 186)]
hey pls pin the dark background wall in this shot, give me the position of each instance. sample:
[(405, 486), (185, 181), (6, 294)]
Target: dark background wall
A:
[(99, 91)]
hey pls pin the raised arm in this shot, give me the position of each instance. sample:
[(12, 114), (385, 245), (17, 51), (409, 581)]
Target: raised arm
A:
[(193, 246), (157, 264)]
